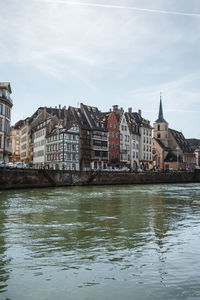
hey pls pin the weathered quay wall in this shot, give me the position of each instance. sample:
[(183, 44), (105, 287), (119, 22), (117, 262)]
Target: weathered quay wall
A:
[(32, 178)]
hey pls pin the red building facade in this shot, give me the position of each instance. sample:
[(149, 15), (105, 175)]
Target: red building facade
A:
[(114, 139)]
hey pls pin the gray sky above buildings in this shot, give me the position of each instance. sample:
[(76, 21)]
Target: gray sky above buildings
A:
[(103, 53)]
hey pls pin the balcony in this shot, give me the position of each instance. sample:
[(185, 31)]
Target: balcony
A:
[(99, 137), (99, 158), (100, 148)]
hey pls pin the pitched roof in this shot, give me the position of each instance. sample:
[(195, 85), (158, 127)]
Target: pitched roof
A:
[(76, 115), (18, 124), (181, 141), (140, 120), (194, 143), (93, 116), (132, 124)]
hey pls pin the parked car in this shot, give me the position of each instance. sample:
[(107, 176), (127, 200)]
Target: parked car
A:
[(3, 164), (20, 164), (10, 165)]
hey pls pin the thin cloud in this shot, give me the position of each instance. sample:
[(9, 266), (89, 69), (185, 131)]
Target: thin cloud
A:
[(148, 10)]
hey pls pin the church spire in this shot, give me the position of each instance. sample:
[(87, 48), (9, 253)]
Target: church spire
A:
[(160, 114)]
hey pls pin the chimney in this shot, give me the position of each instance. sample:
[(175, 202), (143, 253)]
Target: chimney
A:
[(65, 121), (115, 107), (139, 112), (130, 110)]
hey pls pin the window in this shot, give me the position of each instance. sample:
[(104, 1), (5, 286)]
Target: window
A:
[(158, 128), (115, 125), (113, 135), (1, 109), (111, 125), (158, 135)]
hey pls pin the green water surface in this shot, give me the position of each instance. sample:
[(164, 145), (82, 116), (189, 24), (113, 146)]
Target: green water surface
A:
[(135, 242)]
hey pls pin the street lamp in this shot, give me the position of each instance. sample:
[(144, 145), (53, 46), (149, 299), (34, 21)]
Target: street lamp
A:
[(177, 149)]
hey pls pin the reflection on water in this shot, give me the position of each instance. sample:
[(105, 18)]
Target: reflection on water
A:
[(72, 243)]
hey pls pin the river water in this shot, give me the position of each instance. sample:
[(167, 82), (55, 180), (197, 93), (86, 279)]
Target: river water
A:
[(107, 242)]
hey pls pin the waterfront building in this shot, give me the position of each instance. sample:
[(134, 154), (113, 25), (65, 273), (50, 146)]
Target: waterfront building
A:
[(141, 139), (30, 123), (25, 147), (145, 141), (39, 133), (85, 136), (99, 142), (195, 145), (134, 139), (111, 121), (62, 147), (15, 138), (197, 156), (170, 148), (125, 152), (5, 117), (26, 150)]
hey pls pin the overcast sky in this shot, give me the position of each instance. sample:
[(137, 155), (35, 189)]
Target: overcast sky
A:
[(103, 53)]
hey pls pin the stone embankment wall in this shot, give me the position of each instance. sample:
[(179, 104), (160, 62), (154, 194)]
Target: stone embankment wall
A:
[(28, 178)]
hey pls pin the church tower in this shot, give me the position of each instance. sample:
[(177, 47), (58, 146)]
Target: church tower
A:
[(161, 126)]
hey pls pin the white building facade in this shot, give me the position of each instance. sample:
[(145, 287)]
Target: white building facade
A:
[(125, 142), (39, 145), (5, 117), (62, 148)]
